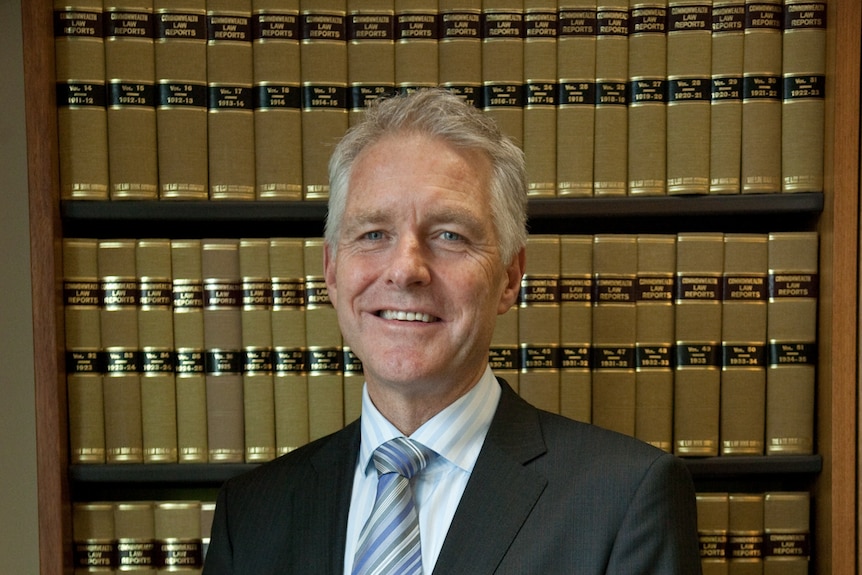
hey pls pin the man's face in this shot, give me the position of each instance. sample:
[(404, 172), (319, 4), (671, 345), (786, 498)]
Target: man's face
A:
[(417, 279)]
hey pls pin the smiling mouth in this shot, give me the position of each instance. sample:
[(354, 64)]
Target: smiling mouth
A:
[(407, 316)]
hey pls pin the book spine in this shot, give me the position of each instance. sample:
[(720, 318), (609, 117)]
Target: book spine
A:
[(119, 330), (610, 163), (460, 48), (743, 345), (94, 548), (745, 533), (257, 355), (230, 105), (504, 355), (615, 264), (417, 36), (325, 351), (539, 324), (131, 99), (576, 329), (654, 300), (156, 338), (177, 535), (712, 524), (725, 131), (370, 53), (786, 533), (290, 394), (188, 322), (689, 49), (761, 97), (647, 98), (697, 376), (803, 104), (85, 361), (576, 97), (181, 112), (134, 530), (540, 96), (82, 124), (206, 522), (277, 100), (792, 337), (323, 70), (223, 343), (503, 65)]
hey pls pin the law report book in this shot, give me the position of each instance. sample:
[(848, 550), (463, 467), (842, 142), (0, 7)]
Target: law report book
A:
[(725, 127), (712, 525), (417, 35), (786, 532), (370, 53), (576, 329), (745, 533), (460, 48), (503, 34), (82, 122)]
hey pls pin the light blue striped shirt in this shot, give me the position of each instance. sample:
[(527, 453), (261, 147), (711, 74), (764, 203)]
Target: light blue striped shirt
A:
[(456, 434)]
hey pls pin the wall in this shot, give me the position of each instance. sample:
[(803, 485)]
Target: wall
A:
[(18, 503)]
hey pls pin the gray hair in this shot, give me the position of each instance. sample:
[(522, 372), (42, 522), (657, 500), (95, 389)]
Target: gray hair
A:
[(438, 113)]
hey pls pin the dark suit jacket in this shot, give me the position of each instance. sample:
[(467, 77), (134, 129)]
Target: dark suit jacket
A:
[(547, 496)]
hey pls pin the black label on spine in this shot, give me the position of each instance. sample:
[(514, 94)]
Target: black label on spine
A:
[(503, 25), (786, 545), (612, 23), (726, 88), (503, 96), (503, 357), (380, 27), (698, 288), (713, 545), (701, 355), (227, 98), (692, 18), (653, 356), (78, 24), (95, 554), (793, 285), (182, 94), (269, 26), (613, 357), (257, 361), (576, 290), (179, 554), (324, 97), (763, 16), (257, 294), (277, 97), (158, 361), (647, 91), (123, 94), (539, 290), (190, 362), (743, 355), (290, 360), (576, 357), (222, 294), (576, 94), (288, 293), (804, 87), (180, 26), (654, 288), (744, 288), (761, 88), (741, 546), (123, 361), (73, 94), (538, 25), (648, 20), (219, 361), (228, 28), (728, 18), (119, 294), (417, 27), (792, 353), (316, 27), (362, 96), (82, 293), (689, 90), (351, 362), (578, 23), (80, 361), (316, 292), (614, 290), (460, 25), (805, 16), (539, 357), (611, 93), (135, 554), (325, 360), (129, 25), (538, 94)]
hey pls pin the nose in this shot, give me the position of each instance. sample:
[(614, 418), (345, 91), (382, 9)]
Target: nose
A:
[(409, 264)]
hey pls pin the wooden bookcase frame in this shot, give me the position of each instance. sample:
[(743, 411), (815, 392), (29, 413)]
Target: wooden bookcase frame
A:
[(836, 488)]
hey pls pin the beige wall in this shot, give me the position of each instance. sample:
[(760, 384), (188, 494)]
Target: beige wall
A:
[(18, 510)]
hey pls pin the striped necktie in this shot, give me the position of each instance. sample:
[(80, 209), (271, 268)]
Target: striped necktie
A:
[(389, 541)]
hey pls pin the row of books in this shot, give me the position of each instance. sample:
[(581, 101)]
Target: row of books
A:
[(140, 536), (228, 350), (244, 99), (765, 533)]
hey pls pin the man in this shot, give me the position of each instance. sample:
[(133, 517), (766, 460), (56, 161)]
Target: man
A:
[(425, 245)]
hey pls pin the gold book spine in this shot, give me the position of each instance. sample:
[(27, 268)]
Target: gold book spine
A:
[(230, 102), (576, 97), (277, 116), (761, 97), (803, 104), (460, 48), (697, 376), (181, 115), (504, 355), (576, 326), (792, 340), (614, 331), (223, 343), (177, 534), (539, 324), (743, 344), (648, 113), (325, 352), (417, 35), (188, 306), (286, 260), (82, 124), (540, 96), (610, 164), (712, 524), (94, 549), (131, 99), (206, 522), (725, 131), (654, 300), (323, 70), (370, 53), (134, 530), (786, 533), (85, 361), (257, 354), (119, 329), (689, 57), (745, 533), (156, 339), (503, 35)]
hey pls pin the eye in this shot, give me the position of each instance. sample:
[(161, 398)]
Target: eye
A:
[(451, 236), (373, 235)]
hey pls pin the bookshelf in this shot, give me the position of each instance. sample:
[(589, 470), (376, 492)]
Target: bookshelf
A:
[(831, 474)]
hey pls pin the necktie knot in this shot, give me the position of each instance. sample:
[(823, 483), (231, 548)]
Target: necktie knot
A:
[(403, 456)]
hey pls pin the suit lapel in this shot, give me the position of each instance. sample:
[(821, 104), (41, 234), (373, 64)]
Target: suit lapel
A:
[(500, 494)]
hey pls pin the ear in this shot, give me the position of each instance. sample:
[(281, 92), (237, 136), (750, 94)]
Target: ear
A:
[(512, 288), (329, 273)]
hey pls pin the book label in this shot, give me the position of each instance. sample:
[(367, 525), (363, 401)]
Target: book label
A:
[(180, 26), (129, 25), (78, 24)]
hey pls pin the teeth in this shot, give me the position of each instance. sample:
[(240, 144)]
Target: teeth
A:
[(406, 316)]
